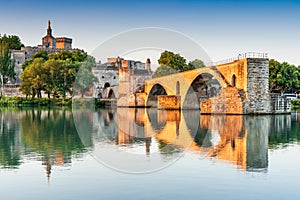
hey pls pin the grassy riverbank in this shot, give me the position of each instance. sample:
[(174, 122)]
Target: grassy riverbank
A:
[(45, 102)]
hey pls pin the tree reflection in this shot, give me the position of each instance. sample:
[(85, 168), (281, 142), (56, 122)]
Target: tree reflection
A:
[(10, 145), (284, 131), (52, 134), (46, 132)]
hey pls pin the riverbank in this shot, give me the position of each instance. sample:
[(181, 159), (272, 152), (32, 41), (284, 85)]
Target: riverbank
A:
[(46, 102)]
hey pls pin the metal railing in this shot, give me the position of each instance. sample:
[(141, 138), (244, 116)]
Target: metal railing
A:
[(239, 57)]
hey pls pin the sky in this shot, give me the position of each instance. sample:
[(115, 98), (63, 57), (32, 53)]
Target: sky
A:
[(222, 28)]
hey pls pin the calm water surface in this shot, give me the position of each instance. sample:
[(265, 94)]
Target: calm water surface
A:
[(147, 154)]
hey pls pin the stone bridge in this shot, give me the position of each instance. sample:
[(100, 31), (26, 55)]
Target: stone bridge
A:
[(240, 86)]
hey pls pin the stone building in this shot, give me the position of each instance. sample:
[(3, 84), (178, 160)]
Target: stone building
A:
[(115, 71), (63, 43), (108, 77), (51, 42), (19, 57)]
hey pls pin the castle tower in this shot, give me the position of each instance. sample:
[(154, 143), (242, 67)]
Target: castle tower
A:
[(49, 41)]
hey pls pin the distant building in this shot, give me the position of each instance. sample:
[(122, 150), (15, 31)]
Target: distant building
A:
[(19, 57), (49, 43), (63, 43), (109, 78), (55, 43)]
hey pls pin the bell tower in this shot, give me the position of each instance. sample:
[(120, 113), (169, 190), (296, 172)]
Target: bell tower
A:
[(49, 41), (49, 30)]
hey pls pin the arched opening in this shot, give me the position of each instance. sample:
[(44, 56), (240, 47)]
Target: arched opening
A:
[(106, 85), (111, 94), (203, 87), (177, 88), (233, 80), (156, 90)]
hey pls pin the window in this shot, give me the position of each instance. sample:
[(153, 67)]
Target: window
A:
[(233, 80), (177, 88)]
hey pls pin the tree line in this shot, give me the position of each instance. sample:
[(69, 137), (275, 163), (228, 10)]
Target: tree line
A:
[(57, 74)]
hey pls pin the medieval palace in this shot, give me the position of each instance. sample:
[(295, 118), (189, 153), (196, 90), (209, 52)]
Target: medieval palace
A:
[(50, 44)]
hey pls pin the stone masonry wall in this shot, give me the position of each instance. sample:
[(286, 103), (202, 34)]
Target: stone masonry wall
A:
[(229, 101), (169, 102), (257, 93)]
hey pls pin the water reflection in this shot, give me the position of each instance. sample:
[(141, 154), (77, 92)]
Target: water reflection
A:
[(50, 136), (10, 144), (46, 135), (237, 139)]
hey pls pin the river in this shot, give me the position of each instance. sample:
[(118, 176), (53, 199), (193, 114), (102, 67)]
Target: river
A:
[(133, 153)]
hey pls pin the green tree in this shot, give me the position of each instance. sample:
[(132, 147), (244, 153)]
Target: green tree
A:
[(52, 67), (33, 78), (85, 78), (67, 74), (164, 70), (41, 54), (283, 77), (171, 63), (172, 60), (7, 65), (195, 64), (13, 41), (77, 56)]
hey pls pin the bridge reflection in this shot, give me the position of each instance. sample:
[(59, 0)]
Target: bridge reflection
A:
[(237, 139)]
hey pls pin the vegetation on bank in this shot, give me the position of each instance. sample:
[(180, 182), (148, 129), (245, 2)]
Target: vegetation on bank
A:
[(58, 75), (46, 102)]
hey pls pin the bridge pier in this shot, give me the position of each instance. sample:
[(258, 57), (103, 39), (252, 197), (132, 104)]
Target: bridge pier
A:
[(229, 101), (169, 102)]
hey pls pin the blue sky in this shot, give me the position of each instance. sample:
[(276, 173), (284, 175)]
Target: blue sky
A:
[(222, 28)]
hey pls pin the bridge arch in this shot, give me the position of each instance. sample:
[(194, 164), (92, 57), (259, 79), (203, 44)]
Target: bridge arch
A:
[(202, 84), (179, 84), (156, 90)]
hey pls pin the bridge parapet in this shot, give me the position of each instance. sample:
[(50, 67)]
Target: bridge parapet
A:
[(239, 57)]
